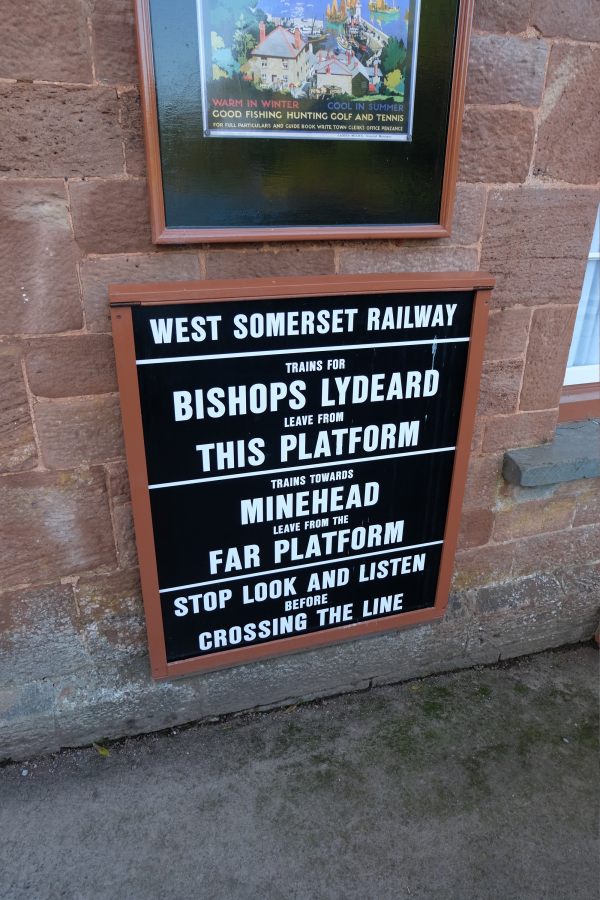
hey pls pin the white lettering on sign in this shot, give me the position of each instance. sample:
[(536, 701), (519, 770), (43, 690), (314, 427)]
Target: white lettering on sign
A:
[(237, 400), (429, 316), (330, 578), (269, 590), (306, 503), (182, 329), (232, 454), (335, 615), (234, 560), (379, 606), (341, 441), (209, 601), (291, 324), (384, 568), (370, 389), (317, 545), (252, 631)]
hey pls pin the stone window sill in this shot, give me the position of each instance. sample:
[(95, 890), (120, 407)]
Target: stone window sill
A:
[(573, 454)]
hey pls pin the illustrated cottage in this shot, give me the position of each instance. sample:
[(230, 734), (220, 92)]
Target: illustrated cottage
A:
[(281, 59)]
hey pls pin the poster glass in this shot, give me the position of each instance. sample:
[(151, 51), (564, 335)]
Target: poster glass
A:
[(317, 119)]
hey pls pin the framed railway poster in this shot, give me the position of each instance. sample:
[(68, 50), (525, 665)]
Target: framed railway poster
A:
[(297, 452), (315, 119)]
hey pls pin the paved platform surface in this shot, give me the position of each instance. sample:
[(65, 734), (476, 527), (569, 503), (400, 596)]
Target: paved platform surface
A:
[(480, 784)]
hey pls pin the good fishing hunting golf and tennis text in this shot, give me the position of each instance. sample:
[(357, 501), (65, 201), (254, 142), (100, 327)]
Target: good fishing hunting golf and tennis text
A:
[(342, 69)]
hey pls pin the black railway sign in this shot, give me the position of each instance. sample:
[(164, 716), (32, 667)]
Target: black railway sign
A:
[(297, 455)]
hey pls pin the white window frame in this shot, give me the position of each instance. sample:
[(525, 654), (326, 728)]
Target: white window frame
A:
[(587, 373)]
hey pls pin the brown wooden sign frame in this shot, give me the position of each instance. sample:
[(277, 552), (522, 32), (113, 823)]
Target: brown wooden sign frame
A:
[(163, 234), (122, 297)]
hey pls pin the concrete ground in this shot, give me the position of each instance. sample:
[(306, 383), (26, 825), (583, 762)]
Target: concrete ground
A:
[(479, 784)]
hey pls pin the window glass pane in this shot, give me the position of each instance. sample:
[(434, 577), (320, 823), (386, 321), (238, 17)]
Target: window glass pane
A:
[(584, 358)]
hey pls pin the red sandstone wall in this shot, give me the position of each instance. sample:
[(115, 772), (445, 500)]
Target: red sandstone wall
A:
[(73, 211)]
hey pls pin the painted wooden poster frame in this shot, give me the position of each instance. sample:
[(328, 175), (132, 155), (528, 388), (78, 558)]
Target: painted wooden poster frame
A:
[(162, 234), (123, 296)]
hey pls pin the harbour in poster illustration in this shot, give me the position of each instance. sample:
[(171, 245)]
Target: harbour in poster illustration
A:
[(328, 69)]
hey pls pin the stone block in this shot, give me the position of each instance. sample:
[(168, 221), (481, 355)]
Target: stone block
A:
[(118, 479), (410, 256), (577, 19), (71, 366), (483, 480), (17, 443), (545, 610), (97, 273), (579, 488), (477, 437), (44, 40), (467, 220), (466, 225), (113, 42), (506, 70), (53, 131), (568, 143), (133, 134), (111, 216), (480, 625), (497, 144), (258, 262), (587, 503), (536, 243), (525, 429), (535, 517), (118, 487), (549, 342), (514, 493), (479, 566), (112, 617), (39, 634), (121, 701), (499, 387), (509, 15), (79, 432), (556, 551), (573, 454), (507, 334), (53, 524), (38, 260), (475, 528), (125, 535), (27, 719)]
